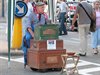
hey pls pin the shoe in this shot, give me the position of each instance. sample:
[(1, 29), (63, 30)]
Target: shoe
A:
[(82, 54), (24, 66), (65, 34), (95, 51), (60, 34)]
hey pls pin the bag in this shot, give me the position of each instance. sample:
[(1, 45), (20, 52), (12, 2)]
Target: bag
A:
[(93, 22), (92, 26)]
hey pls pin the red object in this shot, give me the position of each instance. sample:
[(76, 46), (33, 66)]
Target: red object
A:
[(72, 7), (71, 53), (46, 16)]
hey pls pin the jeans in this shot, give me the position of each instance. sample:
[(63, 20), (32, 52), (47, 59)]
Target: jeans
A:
[(62, 21), (95, 38), (26, 44)]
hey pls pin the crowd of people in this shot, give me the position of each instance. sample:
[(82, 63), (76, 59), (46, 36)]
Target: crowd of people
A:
[(38, 14)]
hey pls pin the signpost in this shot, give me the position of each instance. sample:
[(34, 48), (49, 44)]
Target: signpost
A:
[(21, 9)]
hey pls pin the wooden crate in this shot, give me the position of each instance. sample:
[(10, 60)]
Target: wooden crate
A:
[(42, 44), (45, 59)]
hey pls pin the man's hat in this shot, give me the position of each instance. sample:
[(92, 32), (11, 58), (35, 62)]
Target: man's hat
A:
[(39, 4)]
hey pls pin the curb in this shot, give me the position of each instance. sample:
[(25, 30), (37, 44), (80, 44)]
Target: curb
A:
[(12, 53), (2, 20)]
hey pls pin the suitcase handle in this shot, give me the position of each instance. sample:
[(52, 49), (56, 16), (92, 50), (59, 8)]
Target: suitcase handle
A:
[(34, 45)]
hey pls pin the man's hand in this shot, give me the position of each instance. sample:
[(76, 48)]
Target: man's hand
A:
[(31, 32), (32, 35), (73, 21), (66, 15), (72, 27)]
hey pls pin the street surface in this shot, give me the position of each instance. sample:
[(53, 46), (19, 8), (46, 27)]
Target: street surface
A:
[(88, 65)]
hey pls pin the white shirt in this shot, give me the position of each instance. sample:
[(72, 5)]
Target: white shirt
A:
[(63, 7), (30, 9), (46, 9)]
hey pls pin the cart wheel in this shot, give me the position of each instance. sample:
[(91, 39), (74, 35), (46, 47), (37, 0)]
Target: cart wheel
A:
[(42, 70), (57, 69), (33, 69)]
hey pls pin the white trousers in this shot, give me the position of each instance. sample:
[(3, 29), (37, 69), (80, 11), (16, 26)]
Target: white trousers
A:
[(83, 32)]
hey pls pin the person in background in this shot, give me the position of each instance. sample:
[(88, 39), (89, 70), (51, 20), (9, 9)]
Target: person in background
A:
[(95, 36), (63, 11), (35, 18), (84, 24), (46, 11), (58, 10)]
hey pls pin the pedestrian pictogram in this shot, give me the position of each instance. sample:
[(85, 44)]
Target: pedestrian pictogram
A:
[(20, 9)]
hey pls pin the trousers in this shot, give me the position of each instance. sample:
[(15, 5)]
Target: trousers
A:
[(26, 44), (62, 21), (83, 35)]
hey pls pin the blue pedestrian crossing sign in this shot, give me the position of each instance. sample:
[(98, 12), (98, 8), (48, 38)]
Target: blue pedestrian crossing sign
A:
[(20, 9)]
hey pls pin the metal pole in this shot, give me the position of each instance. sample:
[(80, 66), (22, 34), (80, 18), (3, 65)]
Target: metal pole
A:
[(9, 30), (11, 5), (55, 8), (3, 8), (51, 10)]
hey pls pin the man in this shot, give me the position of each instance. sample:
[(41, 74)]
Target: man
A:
[(84, 24), (25, 21), (35, 18), (63, 11)]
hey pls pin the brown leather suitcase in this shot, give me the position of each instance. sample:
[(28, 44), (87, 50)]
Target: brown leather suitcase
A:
[(46, 59), (42, 44)]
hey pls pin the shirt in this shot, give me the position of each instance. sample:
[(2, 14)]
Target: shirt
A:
[(33, 19), (30, 9), (83, 18), (63, 7), (98, 19)]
